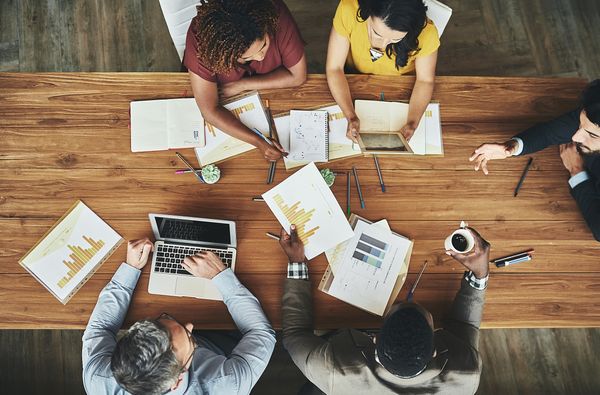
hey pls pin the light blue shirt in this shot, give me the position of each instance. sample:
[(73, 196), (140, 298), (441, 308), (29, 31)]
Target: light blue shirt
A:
[(573, 181), (211, 372)]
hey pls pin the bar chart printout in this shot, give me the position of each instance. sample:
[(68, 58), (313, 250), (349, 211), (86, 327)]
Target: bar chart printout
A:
[(304, 200), (79, 257), (71, 251), (370, 251)]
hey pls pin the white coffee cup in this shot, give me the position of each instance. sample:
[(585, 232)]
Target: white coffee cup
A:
[(466, 233)]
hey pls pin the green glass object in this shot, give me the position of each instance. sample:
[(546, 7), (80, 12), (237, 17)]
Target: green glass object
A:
[(211, 174), (328, 176)]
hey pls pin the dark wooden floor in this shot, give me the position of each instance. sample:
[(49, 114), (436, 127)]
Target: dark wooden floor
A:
[(484, 37)]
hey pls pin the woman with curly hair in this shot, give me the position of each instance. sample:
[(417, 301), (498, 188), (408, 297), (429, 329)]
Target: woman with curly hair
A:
[(238, 45), (385, 37)]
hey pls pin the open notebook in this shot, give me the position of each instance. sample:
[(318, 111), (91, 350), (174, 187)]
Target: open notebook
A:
[(158, 125), (339, 145)]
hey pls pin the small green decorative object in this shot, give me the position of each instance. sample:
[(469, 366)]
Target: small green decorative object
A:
[(328, 176), (211, 174)]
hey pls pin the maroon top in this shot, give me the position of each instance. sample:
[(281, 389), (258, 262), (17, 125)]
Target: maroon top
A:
[(286, 48)]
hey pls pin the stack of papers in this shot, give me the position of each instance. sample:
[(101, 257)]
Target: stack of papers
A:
[(369, 269)]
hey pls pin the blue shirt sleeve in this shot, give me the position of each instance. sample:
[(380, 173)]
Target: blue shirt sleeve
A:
[(578, 179)]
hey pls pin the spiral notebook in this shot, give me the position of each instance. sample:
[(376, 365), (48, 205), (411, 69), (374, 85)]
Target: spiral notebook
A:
[(309, 136)]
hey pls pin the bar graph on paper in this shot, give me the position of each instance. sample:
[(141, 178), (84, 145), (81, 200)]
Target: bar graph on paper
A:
[(71, 251), (79, 257), (236, 111), (370, 251), (299, 217)]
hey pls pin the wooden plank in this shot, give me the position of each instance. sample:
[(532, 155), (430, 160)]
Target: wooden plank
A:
[(555, 242), (544, 196), (40, 36), (541, 300), (9, 35), (107, 96), (68, 146), (160, 53)]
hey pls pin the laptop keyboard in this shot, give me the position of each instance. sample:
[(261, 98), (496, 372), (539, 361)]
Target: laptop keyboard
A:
[(169, 257)]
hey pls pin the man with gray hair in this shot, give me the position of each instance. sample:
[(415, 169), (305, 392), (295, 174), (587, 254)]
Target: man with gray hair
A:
[(158, 356)]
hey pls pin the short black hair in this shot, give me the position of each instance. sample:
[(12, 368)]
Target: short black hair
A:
[(405, 343), (590, 100)]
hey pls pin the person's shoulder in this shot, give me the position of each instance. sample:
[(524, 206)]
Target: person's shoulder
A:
[(429, 39), (461, 355), (348, 7)]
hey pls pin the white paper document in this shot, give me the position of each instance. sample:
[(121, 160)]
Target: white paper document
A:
[(305, 200), (309, 138), (367, 273), (158, 125)]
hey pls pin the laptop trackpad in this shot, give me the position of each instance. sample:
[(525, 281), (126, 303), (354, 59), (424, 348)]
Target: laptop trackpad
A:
[(197, 288)]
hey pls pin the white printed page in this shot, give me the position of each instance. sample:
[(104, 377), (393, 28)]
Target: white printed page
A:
[(308, 136), (185, 124), (434, 130), (149, 125)]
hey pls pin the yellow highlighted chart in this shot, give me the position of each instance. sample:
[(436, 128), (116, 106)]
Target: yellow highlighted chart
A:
[(298, 217), (79, 257)]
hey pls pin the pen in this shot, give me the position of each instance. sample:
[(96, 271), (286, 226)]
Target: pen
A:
[(258, 199), (505, 258), (262, 136), (360, 196), (348, 193), (411, 293), (523, 176), (272, 235), (273, 165), (513, 261), (185, 171), (379, 172), (198, 176)]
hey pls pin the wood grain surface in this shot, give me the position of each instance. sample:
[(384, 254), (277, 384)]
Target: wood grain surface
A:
[(65, 136)]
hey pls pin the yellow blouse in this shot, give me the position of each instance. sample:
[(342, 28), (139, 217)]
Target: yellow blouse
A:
[(347, 24)]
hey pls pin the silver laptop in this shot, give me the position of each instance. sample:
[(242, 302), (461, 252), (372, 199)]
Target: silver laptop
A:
[(178, 237)]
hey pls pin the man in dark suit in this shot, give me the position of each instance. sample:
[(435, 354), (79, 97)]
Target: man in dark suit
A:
[(578, 134), (407, 355)]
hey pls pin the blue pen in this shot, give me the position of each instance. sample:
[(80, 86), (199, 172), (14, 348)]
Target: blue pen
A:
[(262, 136)]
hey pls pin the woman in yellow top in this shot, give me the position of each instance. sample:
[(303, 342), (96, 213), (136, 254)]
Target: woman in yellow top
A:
[(385, 37)]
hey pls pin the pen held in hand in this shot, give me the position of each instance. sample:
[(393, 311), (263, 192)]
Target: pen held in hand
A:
[(272, 236)]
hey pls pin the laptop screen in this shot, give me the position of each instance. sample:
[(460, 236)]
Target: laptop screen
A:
[(200, 231)]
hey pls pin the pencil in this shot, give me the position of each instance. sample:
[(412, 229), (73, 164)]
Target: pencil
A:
[(273, 165), (379, 173), (529, 162), (258, 199), (272, 235), (360, 196), (348, 193), (192, 170), (185, 171), (411, 293)]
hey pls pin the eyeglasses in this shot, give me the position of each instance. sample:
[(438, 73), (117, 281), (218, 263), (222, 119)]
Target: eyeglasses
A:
[(166, 316)]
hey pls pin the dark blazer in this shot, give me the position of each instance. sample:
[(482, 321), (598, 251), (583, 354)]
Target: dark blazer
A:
[(344, 363), (560, 131)]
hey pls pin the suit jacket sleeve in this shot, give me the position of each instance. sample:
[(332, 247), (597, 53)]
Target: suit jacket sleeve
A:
[(465, 316), (312, 354), (558, 131), (588, 199)]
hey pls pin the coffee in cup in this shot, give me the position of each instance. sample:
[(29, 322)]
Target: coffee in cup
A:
[(461, 241)]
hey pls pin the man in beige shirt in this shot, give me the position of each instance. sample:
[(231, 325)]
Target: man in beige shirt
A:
[(407, 355)]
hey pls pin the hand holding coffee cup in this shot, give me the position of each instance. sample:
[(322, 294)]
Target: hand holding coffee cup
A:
[(470, 249)]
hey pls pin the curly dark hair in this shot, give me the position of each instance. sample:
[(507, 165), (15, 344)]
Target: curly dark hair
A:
[(405, 343), (590, 100), (225, 29), (401, 15)]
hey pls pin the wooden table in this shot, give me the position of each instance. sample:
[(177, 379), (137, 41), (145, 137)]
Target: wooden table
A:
[(65, 137)]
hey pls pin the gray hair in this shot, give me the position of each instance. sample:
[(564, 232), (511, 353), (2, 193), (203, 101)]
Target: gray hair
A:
[(143, 361)]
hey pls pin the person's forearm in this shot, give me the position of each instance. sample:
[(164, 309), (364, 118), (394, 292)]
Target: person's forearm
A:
[(224, 120), (557, 131), (340, 90), (419, 99), (278, 78)]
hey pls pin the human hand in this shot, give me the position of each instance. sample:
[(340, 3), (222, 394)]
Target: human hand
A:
[(232, 88), (272, 152), (138, 252), (204, 264), (407, 131), (571, 158), (478, 259), (353, 128), (292, 245), (486, 152)]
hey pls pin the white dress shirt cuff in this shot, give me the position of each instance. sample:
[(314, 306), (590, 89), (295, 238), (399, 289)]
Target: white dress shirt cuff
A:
[(519, 146), (578, 178), (226, 282)]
